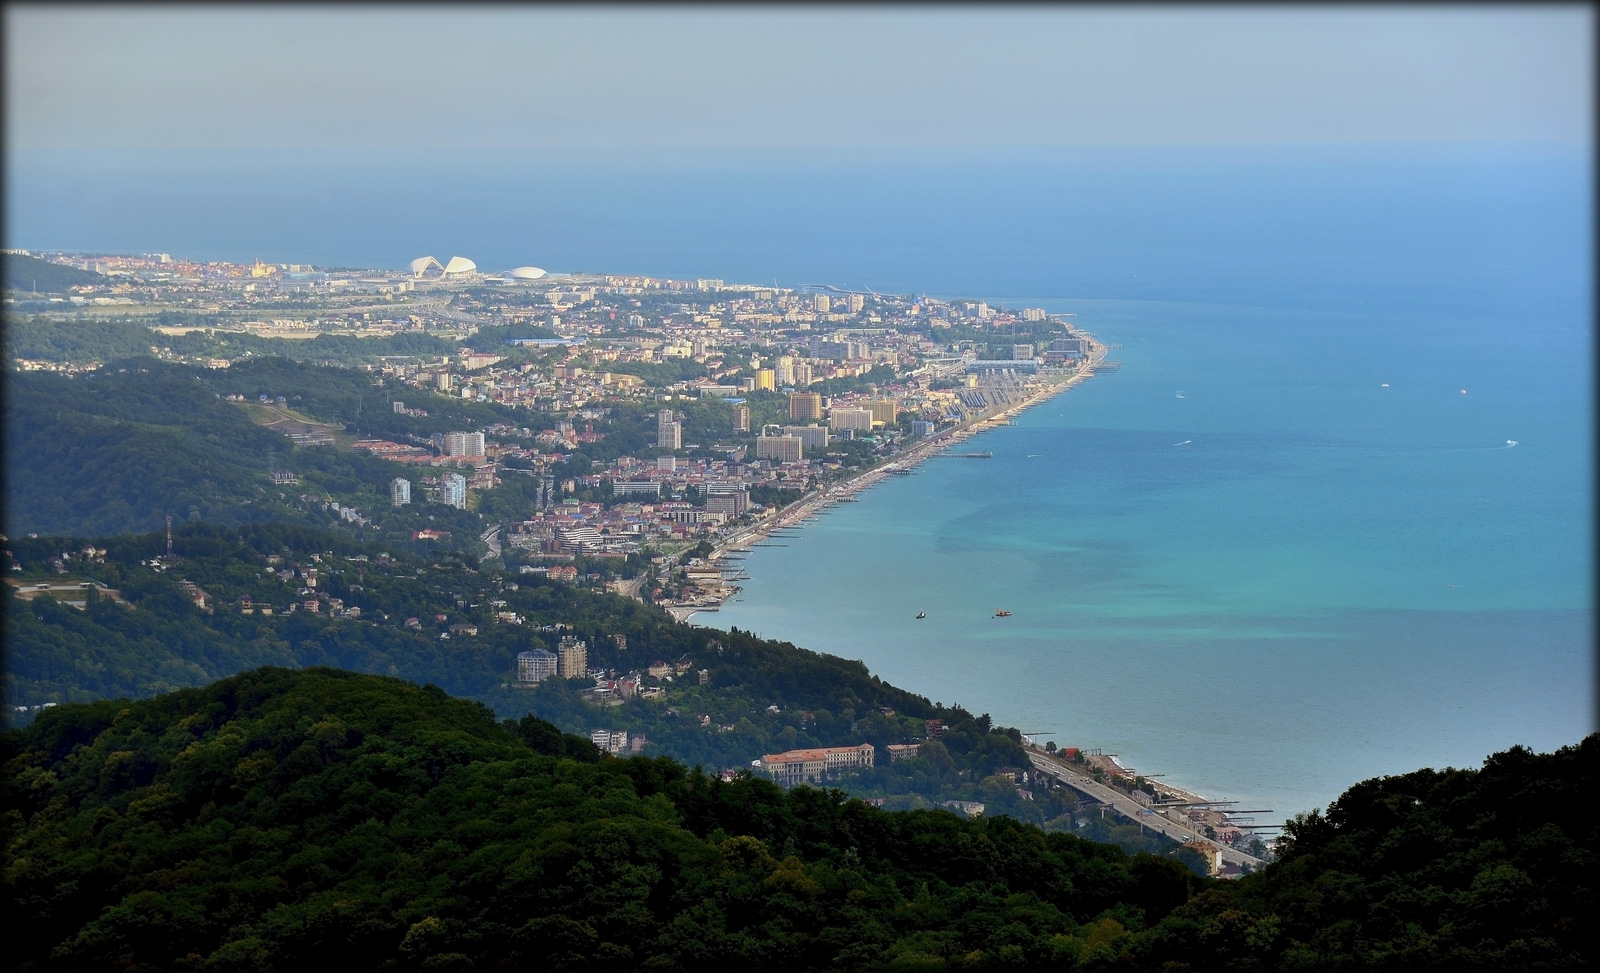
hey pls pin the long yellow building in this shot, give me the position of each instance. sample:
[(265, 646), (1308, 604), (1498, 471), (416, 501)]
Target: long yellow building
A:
[(798, 766)]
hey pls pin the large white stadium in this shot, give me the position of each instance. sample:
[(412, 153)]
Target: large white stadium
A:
[(461, 268)]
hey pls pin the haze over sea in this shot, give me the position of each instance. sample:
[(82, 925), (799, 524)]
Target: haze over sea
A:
[(1330, 520)]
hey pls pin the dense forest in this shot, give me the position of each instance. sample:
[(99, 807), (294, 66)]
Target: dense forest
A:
[(278, 819)]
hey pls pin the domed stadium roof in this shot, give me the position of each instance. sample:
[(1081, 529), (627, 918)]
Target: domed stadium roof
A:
[(420, 266), (525, 273), (459, 265)]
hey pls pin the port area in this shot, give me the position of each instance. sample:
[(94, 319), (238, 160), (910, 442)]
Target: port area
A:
[(808, 508), (1176, 813)]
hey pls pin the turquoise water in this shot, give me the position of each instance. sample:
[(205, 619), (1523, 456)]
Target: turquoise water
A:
[(1240, 560), (1328, 581)]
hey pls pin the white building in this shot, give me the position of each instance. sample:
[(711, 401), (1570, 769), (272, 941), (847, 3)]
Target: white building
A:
[(811, 437), (536, 665), (611, 741), (463, 445), (400, 491), (669, 434), (857, 419), (453, 490), (782, 449)]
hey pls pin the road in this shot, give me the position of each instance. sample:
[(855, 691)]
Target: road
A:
[(492, 538), (1133, 810)]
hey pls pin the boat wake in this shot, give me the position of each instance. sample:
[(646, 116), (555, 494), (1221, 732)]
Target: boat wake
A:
[(1510, 443), (1184, 443)]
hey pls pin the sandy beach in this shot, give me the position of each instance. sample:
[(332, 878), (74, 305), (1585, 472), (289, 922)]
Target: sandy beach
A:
[(795, 514)]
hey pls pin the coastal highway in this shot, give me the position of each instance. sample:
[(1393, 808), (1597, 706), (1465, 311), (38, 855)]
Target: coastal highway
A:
[(1133, 810)]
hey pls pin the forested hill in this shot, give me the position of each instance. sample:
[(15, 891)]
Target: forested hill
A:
[(321, 819), (118, 450), (29, 274), (441, 619)]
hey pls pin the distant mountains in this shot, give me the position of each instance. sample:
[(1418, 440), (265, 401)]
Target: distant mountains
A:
[(24, 273)]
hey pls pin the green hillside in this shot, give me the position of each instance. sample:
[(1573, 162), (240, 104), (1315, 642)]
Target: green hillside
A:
[(29, 274), (319, 818), (401, 614), (117, 450), (81, 340)]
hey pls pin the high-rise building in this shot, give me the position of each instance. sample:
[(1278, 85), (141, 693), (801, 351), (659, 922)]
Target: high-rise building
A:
[(399, 407), (741, 417), (1033, 314), (922, 428), (728, 504), (781, 449), (821, 304), (453, 490), (802, 374), (805, 405), (857, 419), (669, 433), (811, 437), (785, 371), (572, 657), (463, 445), (857, 302), (766, 380), (883, 411), (399, 491), (1021, 352), (535, 665), (442, 381)]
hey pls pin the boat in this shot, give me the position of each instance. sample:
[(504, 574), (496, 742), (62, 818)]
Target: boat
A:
[(922, 614), (1001, 613)]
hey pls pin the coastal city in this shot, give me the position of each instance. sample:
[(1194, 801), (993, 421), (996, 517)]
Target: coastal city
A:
[(705, 418), (760, 404)]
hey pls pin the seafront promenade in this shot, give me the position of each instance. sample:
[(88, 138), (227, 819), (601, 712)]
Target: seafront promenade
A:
[(801, 510), (1131, 809)]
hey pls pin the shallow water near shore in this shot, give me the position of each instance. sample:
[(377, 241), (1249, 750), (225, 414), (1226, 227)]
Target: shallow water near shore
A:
[(1240, 560)]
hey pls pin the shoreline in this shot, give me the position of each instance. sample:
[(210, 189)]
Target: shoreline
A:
[(803, 509), (796, 514)]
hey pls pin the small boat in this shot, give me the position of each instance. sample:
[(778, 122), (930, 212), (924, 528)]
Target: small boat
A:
[(922, 614), (1001, 613)]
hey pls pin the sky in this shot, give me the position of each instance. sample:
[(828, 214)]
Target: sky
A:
[(410, 78)]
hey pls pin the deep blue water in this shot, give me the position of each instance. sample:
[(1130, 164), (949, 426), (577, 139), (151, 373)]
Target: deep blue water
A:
[(1328, 580)]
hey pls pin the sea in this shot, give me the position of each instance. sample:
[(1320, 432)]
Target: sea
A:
[(1331, 519)]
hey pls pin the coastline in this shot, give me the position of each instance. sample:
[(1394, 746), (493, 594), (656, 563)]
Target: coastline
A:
[(797, 513), (1168, 819)]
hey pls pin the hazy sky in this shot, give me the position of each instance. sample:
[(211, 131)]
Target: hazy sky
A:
[(300, 78)]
